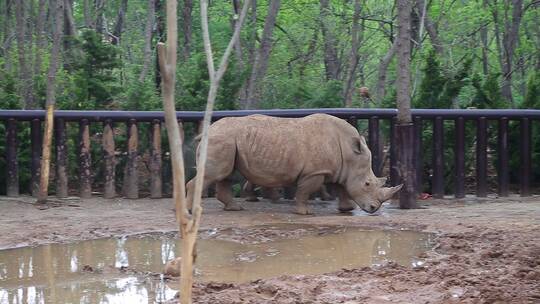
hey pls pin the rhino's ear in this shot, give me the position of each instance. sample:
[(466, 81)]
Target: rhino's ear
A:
[(357, 146)]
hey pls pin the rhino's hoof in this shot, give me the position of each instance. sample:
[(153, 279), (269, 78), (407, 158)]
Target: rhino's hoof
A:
[(233, 208), (303, 211), (252, 199)]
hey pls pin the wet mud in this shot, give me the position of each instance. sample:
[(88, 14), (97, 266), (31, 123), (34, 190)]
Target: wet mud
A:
[(483, 251)]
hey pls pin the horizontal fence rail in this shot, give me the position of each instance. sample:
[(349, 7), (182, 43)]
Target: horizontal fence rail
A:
[(480, 141)]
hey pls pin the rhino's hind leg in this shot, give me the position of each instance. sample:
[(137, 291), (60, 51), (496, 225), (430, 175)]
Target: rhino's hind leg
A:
[(344, 204), (306, 186), (249, 192), (224, 195)]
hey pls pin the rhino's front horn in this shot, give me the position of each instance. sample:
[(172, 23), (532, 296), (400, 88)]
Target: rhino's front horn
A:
[(387, 193)]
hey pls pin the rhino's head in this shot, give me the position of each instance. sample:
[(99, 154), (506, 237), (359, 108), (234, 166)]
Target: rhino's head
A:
[(364, 188)]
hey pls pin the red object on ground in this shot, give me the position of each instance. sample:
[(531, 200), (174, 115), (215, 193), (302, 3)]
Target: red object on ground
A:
[(424, 196)]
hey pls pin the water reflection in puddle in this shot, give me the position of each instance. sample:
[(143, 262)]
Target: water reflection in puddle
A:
[(59, 273)]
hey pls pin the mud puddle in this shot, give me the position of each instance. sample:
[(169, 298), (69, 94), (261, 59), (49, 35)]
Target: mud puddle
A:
[(126, 270)]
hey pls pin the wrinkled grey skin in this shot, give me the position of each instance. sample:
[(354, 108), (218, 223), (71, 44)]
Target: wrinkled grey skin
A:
[(306, 152)]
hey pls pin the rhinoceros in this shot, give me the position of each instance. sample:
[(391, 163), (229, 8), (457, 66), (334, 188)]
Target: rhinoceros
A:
[(307, 152)]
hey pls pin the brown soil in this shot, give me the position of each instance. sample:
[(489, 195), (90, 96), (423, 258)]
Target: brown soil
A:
[(488, 251)]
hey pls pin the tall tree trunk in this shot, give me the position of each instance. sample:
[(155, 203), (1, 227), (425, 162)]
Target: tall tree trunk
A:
[(306, 58), (356, 34), (261, 58), (510, 38), (100, 18), (40, 37), (331, 60), (190, 226), (237, 43), (187, 20), (87, 12), (8, 35), (24, 75), (380, 90), (148, 39), (70, 27), (119, 25), (50, 102), (485, 46), (160, 26), (70, 32), (404, 119), (431, 28)]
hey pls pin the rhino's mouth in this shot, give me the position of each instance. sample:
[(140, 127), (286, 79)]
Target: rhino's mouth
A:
[(370, 211)]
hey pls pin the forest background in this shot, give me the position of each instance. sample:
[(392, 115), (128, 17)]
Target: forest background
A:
[(291, 54)]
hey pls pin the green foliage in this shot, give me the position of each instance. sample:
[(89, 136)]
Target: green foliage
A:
[(439, 88), (194, 84), (95, 85), (488, 92), (329, 96)]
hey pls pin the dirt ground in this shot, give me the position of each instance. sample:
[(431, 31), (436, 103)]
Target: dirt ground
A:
[(488, 250)]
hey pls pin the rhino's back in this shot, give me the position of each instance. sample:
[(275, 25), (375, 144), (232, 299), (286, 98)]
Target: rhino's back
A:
[(276, 151)]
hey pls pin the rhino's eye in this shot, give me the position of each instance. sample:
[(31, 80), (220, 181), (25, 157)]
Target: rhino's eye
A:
[(367, 183)]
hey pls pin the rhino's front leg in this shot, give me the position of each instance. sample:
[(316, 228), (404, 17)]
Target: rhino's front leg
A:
[(224, 195), (306, 186), (344, 204)]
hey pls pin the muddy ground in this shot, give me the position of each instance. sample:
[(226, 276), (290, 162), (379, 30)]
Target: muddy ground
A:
[(488, 251)]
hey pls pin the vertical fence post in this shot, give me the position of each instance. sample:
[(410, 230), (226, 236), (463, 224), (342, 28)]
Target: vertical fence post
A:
[(438, 161), (353, 121), (109, 159), (459, 156), (12, 178), (131, 179), (525, 159), (35, 167), (155, 159), (503, 167), (418, 152), (85, 160), (394, 170), (481, 157), (61, 158), (374, 144)]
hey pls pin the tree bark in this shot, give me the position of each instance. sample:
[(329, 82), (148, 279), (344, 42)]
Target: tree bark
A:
[(404, 120), (88, 23), (509, 41), (190, 227), (8, 35), (22, 48), (485, 46), (70, 29), (380, 90), (50, 102), (160, 26), (356, 33), (262, 56), (148, 40), (431, 28), (40, 37), (119, 25), (331, 60), (237, 43), (100, 10), (187, 28)]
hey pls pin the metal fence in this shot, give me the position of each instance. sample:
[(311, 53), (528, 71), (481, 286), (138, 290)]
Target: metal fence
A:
[(424, 120)]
